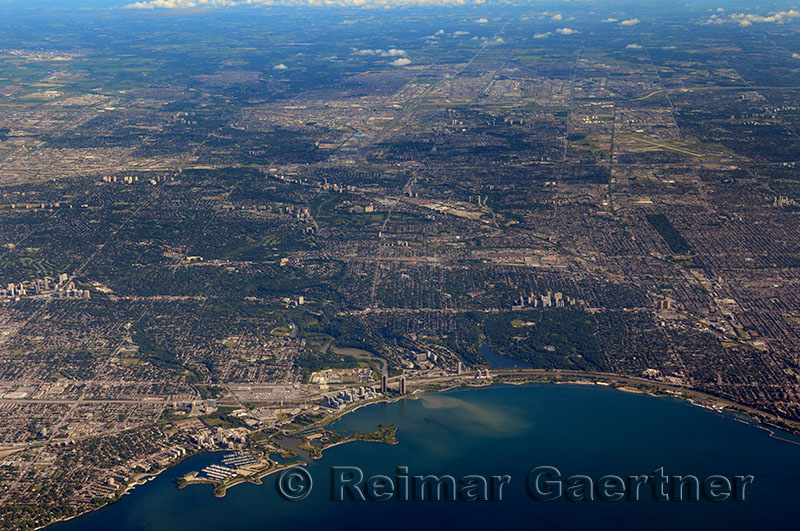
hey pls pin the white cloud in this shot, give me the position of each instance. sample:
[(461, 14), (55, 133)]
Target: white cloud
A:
[(181, 4), (634, 47), (748, 19), (779, 17), (629, 22), (190, 4), (481, 21), (796, 55), (403, 61), (497, 41), (440, 32), (460, 33), (566, 31), (542, 35), (557, 16), (281, 67), (611, 20), (392, 52)]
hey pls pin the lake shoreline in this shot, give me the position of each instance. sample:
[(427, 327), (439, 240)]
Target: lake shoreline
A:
[(646, 387)]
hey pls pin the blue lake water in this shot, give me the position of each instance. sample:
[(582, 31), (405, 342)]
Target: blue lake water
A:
[(502, 430), (498, 361)]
